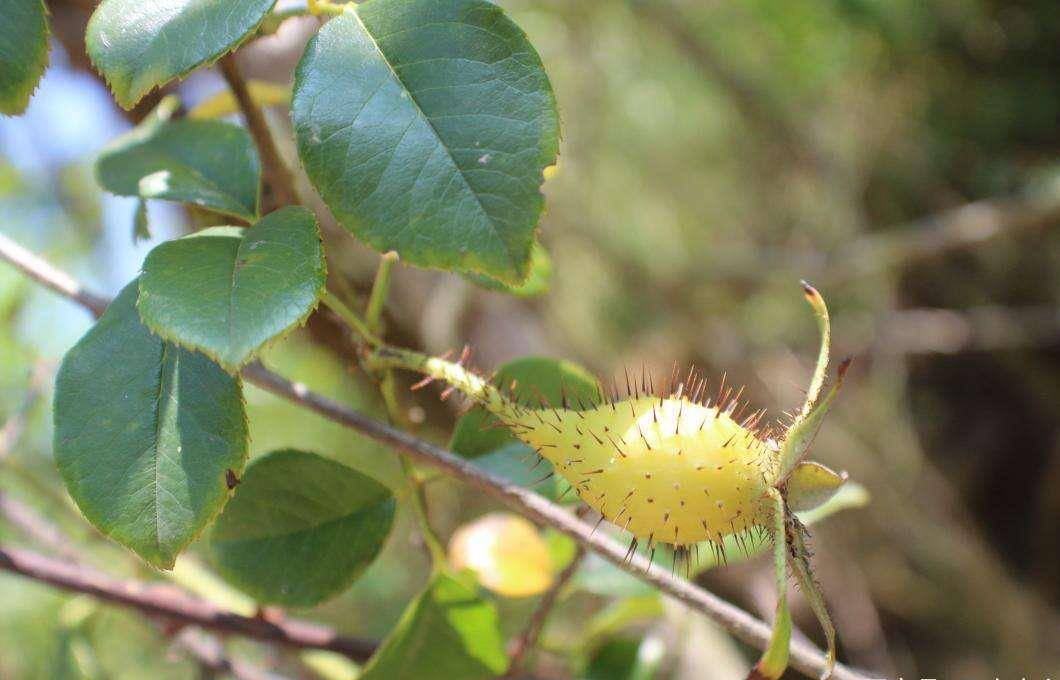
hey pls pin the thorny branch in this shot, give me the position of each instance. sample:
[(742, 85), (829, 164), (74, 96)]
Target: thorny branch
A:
[(738, 622)]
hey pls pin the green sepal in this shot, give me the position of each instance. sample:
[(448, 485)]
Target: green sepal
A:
[(811, 485), (800, 565), (774, 659), (801, 434)]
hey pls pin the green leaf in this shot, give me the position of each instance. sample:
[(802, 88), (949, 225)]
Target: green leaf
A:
[(425, 125), (139, 45), (535, 379), (515, 462), (276, 423), (624, 658), (227, 291), (448, 632), (774, 660), (145, 433), (210, 163), (300, 529), (23, 52), (537, 282)]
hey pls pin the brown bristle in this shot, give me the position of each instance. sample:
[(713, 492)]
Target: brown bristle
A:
[(422, 383)]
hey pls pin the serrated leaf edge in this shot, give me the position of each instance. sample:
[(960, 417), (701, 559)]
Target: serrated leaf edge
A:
[(168, 564), (128, 105), (235, 368), (522, 269), (20, 101)]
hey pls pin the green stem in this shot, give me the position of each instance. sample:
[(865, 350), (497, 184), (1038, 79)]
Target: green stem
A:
[(474, 386), (416, 496), (387, 387), (380, 291), (774, 659), (332, 302)]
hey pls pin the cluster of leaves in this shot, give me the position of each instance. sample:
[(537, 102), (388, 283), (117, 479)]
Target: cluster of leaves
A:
[(426, 128)]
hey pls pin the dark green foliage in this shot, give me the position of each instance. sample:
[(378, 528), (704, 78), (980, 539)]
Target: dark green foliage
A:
[(208, 163), (145, 433), (23, 52), (138, 45), (447, 632), (426, 127), (227, 292), (300, 528)]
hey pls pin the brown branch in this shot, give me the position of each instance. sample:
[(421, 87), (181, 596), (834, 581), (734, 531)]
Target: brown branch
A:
[(278, 176), (44, 273), (37, 528), (522, 645), (210, 654), (739, 623), (206, 650), (172, 603)]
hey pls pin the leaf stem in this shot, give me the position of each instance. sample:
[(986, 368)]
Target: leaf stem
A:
[(387, 387), (416, 497), (474, 386), (380, 291), (368, 328), (350, 317)]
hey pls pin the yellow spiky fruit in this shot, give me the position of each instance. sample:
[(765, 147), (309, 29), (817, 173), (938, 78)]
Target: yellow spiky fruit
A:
[(666, 469), (677, 470)]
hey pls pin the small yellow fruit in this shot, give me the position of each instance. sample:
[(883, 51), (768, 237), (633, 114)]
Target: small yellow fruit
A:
[(507, 554)]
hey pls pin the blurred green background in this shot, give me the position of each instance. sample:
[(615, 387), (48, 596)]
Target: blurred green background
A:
[(904, 156)]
